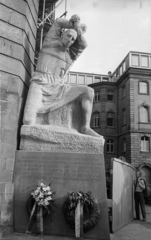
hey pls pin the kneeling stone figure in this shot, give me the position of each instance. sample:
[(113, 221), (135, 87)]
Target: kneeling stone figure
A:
[(48, 92)]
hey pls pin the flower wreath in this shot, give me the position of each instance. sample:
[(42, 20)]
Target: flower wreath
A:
[(39, 198), (90, 204), (42, 195)]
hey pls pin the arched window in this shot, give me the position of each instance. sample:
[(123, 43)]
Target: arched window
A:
[(143, 114), (110, 146), (145, 144), (97, 96), (143, 87), (96, 119), (110, 119), (110, 95)]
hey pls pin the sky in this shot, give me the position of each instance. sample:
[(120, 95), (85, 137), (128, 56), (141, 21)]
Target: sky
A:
[(114, 28)]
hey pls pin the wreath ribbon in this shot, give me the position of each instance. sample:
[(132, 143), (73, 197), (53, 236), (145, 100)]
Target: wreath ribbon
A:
[(89, 203)]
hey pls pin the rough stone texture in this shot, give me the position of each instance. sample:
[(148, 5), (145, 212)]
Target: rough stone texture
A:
[(58, 139), (17, 49), (69, 116), (59, 131)]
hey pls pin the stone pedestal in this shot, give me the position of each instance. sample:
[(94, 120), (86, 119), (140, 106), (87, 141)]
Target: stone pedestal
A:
[(66, 172), (54, 138)]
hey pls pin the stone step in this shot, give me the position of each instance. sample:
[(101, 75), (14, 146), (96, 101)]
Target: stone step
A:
[(20, 236)]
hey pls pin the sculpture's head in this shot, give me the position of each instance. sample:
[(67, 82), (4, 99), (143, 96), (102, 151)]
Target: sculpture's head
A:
[(68, 37)]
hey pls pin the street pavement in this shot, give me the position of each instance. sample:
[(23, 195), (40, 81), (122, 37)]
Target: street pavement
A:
[(136, 230)]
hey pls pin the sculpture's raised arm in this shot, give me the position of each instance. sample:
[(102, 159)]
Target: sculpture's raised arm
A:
[(73, 23), (80, 44)]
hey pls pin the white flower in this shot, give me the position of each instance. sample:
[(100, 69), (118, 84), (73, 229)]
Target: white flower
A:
[(36, 192), (46, 202), (49, 198), (42, 194), (49, 193)]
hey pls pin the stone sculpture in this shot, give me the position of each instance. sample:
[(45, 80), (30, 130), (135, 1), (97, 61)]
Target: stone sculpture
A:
[(48, 93)]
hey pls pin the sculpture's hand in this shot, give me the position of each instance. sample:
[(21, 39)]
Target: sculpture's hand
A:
[(83, 27), (75, 19)]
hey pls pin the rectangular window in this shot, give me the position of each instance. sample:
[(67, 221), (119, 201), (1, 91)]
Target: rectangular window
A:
[(89, 80), (110, 146), (97, 79), (81, 79), (145, 144), (124, 66), (121, 70), (135, 60), (124, 145), (73, 78), (145, 61), (110, 119), (123, 92), (96, 120), (124, 116), (97, 96), (105, 79), (143, 87), (110, 95)]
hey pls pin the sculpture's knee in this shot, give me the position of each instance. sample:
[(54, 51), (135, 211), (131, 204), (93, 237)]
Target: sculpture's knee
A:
[(29, 119), (89, 93), (33, 103)]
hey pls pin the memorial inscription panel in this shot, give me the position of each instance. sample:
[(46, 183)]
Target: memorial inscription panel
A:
[(59, 167), (66, 172)]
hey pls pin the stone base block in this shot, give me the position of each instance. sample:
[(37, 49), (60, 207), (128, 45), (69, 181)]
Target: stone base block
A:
[(66, 172), (58, 139)]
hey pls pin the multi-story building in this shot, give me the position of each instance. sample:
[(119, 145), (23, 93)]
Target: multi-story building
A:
[(122, 108)]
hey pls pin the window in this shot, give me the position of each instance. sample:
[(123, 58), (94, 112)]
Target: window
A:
[(124, 144), (89, 80), (110, 95), (124, 66), (97, 97), (81, 79), (143, 87), (135, 60), (105, 79), (145, 144), (110, 119), (73, 78), (123, 92), (96, 119), (145, 61), (110, 146), (124, 116), (121, 70), (97, 79), (143, 113)]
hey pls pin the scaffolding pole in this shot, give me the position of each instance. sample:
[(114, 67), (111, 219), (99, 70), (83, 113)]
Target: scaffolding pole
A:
[(49, 14), (42, 29)]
